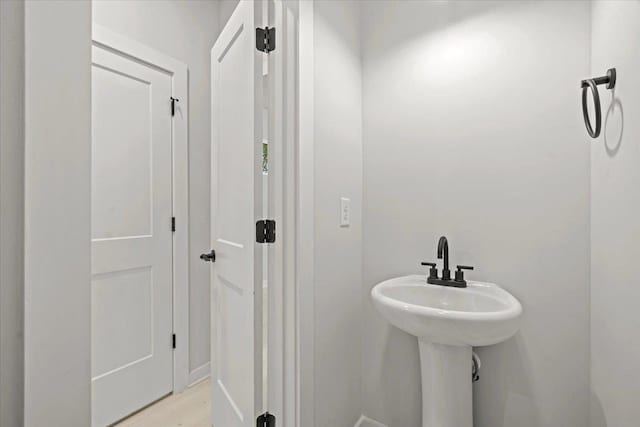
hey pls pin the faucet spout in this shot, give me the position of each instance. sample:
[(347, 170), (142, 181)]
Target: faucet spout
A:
[(445, 280), (443, 252)]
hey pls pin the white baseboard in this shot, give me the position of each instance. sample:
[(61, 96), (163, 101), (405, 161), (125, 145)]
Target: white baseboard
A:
[(368, 422), (201, 373)]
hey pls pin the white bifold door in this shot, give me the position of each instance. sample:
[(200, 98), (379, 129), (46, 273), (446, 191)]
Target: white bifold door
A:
[(236, 205), (131, 286)]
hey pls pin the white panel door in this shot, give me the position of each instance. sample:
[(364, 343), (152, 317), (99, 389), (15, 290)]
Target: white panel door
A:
[(236, 199), (131, 286)]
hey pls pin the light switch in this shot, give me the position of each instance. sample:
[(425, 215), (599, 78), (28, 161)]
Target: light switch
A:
[(345, 212)]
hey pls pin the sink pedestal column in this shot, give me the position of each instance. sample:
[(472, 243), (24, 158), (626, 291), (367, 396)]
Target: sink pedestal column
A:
[(446, 385)]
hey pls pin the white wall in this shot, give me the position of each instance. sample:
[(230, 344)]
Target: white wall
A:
[(338, 173), (473, 130), (615, 224), (57, 318), (11, 212), (185, 30)]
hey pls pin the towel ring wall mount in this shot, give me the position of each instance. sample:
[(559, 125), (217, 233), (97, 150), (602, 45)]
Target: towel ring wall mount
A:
[(610, 81)]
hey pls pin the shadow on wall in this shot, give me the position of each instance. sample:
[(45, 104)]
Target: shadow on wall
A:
[(403, 385), (613, 125), (510, 391), (598, 418)]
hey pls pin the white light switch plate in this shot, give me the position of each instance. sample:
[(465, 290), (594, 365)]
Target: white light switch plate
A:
[(345, 212)]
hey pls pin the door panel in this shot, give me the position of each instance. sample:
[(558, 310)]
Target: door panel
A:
[(131, 236), (235, 206), (126, 337), (121, 201)]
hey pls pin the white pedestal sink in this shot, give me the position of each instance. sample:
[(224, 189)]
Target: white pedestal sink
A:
[(448, 321)]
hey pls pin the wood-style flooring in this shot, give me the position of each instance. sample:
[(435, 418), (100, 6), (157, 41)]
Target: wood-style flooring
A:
[(191, 408)]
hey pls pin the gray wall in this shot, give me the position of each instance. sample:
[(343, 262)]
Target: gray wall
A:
[(225, 9), (473, 130), (615, 220), (185, 30), (57, 320), (338, 173), (11, 212)]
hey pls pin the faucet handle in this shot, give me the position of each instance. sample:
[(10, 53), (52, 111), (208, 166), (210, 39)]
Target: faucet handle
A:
[(433, 271), (460, 274)]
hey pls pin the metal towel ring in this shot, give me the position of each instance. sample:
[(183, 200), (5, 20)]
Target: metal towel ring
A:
[(610, 81)]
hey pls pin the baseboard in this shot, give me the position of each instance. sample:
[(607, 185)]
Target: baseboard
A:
[(201, 373), (368, 422)]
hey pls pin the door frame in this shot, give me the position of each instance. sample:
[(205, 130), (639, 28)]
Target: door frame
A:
[(179, 72), (291, 203), (297, 204), (291, 171), (304, 164)]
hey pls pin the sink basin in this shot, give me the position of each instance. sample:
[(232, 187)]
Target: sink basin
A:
[(478, 315), (448, 321)]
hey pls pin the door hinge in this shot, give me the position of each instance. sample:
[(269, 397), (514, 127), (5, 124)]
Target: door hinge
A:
[(266, 39), (266, 420), (173, 223), (266, 231), (173, 341), (173, 105)]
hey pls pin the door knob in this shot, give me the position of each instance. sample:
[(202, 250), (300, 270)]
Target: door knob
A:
[(211, 256)]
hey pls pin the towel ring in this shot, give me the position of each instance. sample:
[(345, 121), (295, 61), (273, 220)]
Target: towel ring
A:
[(610, 81)]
